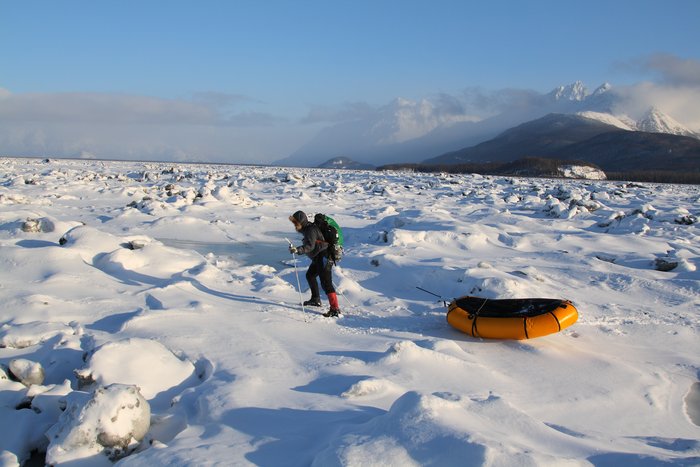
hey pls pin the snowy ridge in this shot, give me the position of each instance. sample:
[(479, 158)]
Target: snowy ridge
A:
[(598, 108), (655, 121), (128, 286), (622, 122)]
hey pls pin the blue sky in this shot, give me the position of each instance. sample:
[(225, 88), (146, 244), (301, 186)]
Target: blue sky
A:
[(271, 63)]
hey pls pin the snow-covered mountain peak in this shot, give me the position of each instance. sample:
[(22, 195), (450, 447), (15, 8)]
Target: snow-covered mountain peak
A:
[(602, 89), (575, 91), (655, 121)]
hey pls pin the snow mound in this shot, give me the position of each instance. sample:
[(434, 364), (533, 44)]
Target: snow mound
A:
[(31, 223), (498, 285), (448, 429), (27, 371), (371, 388), (89, 242), (132, 258), (692, 403), (19, 336), (25, 415), (38, 225), (147, 260), (233, 196), (141, 362), (100, 428)]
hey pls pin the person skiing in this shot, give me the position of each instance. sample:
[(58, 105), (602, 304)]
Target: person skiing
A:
[(315, 247)]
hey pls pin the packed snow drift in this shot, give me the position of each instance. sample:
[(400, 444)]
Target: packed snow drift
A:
[(149, 315)]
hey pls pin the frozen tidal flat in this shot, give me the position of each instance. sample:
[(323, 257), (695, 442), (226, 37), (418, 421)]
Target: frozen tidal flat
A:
[(175, 279)]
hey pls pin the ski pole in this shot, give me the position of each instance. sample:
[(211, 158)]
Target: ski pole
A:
[(343, 295), (444, 302), (296, 273)]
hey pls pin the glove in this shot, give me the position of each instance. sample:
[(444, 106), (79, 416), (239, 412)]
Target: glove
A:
[(293, 249)]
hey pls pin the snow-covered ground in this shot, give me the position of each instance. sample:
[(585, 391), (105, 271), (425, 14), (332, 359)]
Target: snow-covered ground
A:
[(151, 312)]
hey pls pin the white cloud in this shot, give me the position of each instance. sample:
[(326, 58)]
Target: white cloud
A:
[(493, 102), (680, 102), (674, 70), (151, 141), (675, 89), (346, 112), (210, 126), (124, 109), (442, 107)]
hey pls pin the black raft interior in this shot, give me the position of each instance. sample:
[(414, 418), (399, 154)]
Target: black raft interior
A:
[(508, 307)]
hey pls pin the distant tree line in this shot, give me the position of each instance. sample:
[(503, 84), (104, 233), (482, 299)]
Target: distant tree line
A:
[(657, 176), (525, 167), (545, 167)]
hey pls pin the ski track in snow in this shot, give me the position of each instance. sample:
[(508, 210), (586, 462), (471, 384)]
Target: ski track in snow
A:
[(103, 255)]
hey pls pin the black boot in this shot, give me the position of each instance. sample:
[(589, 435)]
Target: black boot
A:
[(315, 301), (332, 313)]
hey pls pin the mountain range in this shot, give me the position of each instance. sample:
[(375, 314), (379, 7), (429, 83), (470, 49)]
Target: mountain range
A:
[(581, 138), (543, 137), (440, 131)]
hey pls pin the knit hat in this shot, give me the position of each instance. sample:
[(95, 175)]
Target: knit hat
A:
[(299, 220)]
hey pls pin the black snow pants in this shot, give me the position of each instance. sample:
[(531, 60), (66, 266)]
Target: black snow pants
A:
[(320, 266)]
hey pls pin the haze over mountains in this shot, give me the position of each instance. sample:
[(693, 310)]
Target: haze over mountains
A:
[(441, 130)]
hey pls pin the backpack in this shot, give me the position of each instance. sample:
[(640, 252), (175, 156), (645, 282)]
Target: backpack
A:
[(332, 234)]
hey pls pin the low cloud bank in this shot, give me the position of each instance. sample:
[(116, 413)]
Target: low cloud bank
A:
[(220, 127)]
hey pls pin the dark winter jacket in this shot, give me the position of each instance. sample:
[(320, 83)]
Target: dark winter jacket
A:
[(313, 238)]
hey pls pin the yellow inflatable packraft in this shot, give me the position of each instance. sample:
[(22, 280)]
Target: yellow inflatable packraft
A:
[(517, 318)]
